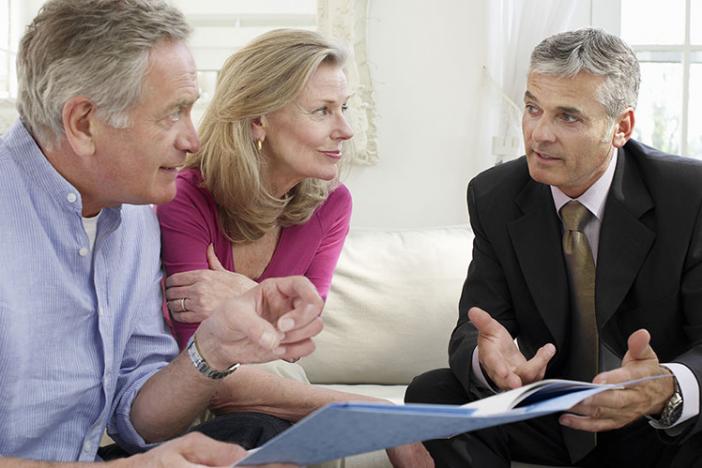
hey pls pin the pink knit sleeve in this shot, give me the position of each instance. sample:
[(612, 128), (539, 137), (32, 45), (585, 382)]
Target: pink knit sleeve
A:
[(335, 218), (186, 230)]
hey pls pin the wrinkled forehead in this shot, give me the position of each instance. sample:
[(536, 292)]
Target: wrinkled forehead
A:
[(582, 91), (327, 82)]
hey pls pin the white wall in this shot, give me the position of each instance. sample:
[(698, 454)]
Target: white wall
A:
[(427, 60)]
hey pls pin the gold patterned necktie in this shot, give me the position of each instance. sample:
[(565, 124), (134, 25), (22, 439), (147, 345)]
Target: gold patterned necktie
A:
[(583, 355)]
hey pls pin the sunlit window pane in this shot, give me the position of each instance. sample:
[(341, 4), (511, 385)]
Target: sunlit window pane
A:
[(4, 75), (694, 133), (4, 48), (653, 21), (246, 7), (659, 111), (696, 22), (4, 23)]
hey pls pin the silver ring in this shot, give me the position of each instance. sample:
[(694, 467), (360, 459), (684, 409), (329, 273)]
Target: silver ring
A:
[(182, 304)]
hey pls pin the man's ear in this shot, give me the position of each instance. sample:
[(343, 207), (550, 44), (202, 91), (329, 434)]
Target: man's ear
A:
[(258, 128), (623, 128), (79, 125)]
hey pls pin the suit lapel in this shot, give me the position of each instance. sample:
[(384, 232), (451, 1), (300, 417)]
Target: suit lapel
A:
[(624, 243), (540, 256)]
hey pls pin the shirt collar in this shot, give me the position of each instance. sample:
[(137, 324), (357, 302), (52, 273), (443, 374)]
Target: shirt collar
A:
[(593, 198), (40, 172)]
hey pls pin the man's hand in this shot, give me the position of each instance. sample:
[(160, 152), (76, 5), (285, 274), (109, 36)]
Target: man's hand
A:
[(617, 408), (193, 450), (410, 456), (500, 358), (274, 320), (192, 296), (190, 451)]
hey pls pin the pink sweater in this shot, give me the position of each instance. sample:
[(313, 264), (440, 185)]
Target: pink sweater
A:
[(189, 225)]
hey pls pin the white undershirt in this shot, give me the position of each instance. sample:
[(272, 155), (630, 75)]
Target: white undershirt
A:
[(90, 226)]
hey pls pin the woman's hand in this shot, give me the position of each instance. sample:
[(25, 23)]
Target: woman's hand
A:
[(192, 296)]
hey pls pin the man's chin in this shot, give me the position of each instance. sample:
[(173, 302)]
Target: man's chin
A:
[(543, 175), (159, 197)]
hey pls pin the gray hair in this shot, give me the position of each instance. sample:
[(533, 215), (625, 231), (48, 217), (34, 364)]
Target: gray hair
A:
[(93, 48), (596, 52)]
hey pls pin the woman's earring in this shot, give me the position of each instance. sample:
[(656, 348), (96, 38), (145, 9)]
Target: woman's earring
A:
[(259, 145)]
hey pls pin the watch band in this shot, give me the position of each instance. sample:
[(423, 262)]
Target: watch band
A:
[(673, 407), (201, 364)]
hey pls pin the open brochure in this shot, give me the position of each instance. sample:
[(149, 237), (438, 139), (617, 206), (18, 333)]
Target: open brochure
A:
[(342, 429)]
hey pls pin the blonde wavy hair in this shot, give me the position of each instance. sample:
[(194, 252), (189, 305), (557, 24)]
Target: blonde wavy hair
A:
[(262, 77)]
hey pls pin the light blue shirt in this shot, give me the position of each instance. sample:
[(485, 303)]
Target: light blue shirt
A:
[(80, 328)]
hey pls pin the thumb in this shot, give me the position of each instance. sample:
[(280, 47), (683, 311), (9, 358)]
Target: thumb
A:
[(257, 329), (200, 449), (483, 321), (212, 259), (639, 346)]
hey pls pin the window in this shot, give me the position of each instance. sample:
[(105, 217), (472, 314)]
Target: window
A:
[(6, 56), (667, 38), (222, 26), (219, 28)]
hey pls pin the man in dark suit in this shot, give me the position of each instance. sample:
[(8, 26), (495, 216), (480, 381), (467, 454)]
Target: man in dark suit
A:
[(588, 251)]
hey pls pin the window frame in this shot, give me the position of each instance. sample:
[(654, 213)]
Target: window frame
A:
[(607, 14)]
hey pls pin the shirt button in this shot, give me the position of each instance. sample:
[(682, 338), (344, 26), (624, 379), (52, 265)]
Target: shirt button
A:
[(71, 197), (83, 251), (101, 311), (87, 447)]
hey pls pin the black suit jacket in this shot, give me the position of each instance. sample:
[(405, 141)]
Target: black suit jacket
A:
[(649, 265)]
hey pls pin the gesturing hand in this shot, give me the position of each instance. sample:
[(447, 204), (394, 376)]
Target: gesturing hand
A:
[(274, 320), (193, 295), (499, 356), (616, 408)]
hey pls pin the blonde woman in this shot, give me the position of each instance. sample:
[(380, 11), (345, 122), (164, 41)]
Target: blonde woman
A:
[(261, 199)]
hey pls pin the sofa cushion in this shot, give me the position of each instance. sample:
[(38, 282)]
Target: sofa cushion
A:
[(392, 306), (392, 393)]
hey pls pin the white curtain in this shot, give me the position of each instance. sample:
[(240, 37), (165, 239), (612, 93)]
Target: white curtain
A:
[(346, 22), (514, 28)]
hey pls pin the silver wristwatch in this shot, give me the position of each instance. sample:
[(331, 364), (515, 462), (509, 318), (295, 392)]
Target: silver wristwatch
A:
[(673, 408), (202, 366)]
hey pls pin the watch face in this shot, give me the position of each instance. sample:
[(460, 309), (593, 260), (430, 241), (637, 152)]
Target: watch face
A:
[(673, 409)]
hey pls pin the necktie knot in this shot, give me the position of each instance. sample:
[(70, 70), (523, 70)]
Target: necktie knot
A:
[(575, 216)]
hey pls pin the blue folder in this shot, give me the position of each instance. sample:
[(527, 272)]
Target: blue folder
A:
[(342, 429)]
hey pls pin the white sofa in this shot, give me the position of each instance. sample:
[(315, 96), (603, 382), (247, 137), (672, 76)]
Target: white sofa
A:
[(392, 306)]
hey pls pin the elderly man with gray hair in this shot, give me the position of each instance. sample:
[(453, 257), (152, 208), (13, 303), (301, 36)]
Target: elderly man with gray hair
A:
[(588, 252), (105, 93)]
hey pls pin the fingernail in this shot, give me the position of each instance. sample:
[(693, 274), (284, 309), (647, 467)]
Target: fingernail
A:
[(286, 324), (269, 340), (279, 351)]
